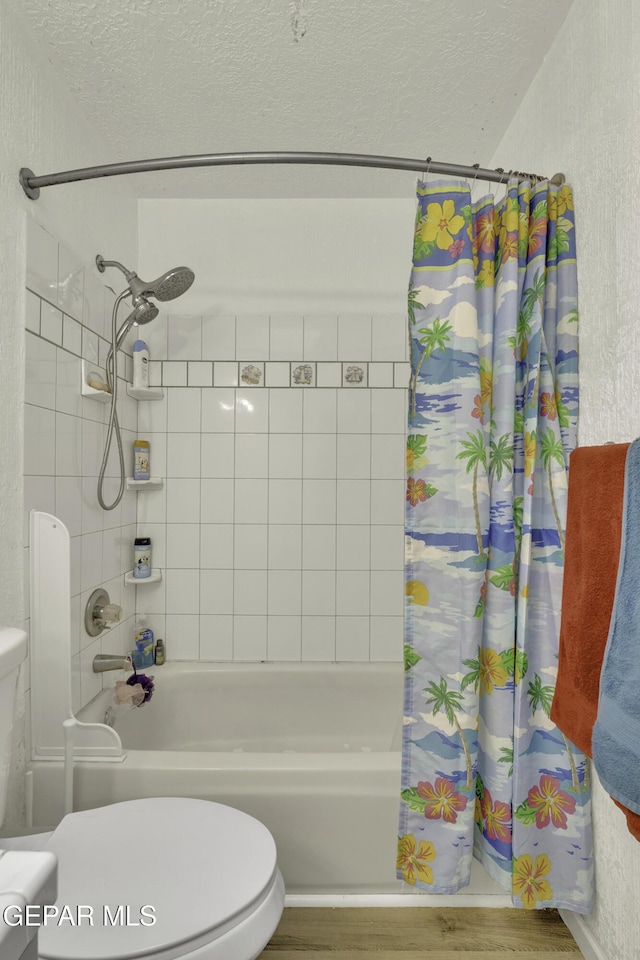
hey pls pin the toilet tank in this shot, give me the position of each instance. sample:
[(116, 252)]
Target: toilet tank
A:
[(13, 650)]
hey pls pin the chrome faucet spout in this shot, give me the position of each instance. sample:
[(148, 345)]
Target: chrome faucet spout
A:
[(107, 661)]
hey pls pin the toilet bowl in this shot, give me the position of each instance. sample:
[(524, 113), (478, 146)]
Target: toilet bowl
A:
[(165, 878)]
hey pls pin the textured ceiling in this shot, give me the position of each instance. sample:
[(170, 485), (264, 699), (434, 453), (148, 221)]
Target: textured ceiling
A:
[(398, 77)]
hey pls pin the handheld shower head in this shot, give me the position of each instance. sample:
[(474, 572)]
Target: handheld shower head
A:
[(170, 285), (143, 312)]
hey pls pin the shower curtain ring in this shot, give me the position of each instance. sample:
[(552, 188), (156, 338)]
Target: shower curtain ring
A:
[(425, 173), (476, 167)]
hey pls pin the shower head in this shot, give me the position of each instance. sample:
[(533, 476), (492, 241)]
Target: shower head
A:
[(170, 285), (143, 312)]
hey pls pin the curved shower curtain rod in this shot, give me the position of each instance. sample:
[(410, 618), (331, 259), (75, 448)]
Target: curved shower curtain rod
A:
[(32, 184)]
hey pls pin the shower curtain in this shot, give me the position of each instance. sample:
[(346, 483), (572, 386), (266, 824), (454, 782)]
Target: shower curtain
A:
[(493, 405)]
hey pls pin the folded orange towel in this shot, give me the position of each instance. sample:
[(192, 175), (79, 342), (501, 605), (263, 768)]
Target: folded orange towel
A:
[(594, 531)]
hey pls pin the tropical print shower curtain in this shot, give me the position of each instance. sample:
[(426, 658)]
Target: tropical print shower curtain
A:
[(493, 407)]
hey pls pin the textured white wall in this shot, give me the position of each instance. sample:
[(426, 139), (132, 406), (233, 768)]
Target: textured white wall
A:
[(581, 116), (354, 83), (41, 129)]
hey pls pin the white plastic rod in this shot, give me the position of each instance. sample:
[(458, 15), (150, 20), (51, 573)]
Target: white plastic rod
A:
[(28, 792), (69, 727)]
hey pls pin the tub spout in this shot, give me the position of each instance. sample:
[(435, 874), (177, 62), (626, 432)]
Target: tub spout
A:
[(107, 661)]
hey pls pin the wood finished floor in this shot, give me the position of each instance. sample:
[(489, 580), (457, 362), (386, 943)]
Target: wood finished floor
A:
[(410, 933)]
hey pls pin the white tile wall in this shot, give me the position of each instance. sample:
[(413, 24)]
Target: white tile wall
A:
[(354, 338), (216, 637), (286, 338), (65, 320), (216, 546), (318, 637), (329, 375), (218, 338), (281, 529)]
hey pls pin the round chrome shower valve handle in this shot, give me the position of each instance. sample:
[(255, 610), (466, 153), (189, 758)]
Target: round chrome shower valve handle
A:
[(100, 613)]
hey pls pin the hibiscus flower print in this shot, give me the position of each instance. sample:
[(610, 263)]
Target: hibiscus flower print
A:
[(485, 232), (486, 385), (442, 800), (492, 672), (414, 859), (497, 818), (550, 803), (548, 405), (527, 880), (477, 408), (485, 274), (417, 491), (537, 233), (564, 200), (441, 223), (456, 248), (509, 246), (529, 453), (509, 216)]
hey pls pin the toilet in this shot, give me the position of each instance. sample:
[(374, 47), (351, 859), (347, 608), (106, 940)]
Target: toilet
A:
[(164, 878)]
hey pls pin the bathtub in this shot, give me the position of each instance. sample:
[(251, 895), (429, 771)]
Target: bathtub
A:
[(311, 750)]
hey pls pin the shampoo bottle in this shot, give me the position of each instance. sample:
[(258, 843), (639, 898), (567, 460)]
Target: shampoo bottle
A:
[(142, 558), (141, 460), (140, 365), (142, 653)]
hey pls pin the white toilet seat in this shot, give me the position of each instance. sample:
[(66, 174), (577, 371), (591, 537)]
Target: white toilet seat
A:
[(208, 870)]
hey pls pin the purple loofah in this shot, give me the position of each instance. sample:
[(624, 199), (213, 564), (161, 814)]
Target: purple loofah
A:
[(145, 682)]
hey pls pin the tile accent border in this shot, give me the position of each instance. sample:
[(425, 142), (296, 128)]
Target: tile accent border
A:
[(274, 373)]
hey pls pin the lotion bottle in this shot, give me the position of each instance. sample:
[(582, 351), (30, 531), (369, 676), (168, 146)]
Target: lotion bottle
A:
[(140, 365)]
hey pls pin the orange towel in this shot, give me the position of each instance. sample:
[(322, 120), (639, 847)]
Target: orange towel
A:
[(594, 531)]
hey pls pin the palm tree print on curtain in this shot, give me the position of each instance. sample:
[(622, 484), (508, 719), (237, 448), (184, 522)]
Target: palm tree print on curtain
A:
[(493, 407)]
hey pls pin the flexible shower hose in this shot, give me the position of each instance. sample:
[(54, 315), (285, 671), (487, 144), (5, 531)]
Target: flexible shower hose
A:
[(111, 367)]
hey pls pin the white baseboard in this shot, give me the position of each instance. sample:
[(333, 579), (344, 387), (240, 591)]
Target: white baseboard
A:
[(396, 900), (591, 949)]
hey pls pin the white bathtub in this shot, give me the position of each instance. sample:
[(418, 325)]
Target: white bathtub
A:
[(311, 750)]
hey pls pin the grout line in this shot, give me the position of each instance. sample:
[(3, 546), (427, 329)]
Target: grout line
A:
[(370, 504), (201, 435), (268, 469), (233, 512), (335, 527), (302, 523)]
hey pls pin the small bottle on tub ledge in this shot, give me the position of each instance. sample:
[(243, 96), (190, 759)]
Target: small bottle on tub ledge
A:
[(160, 653), (142, 653)]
